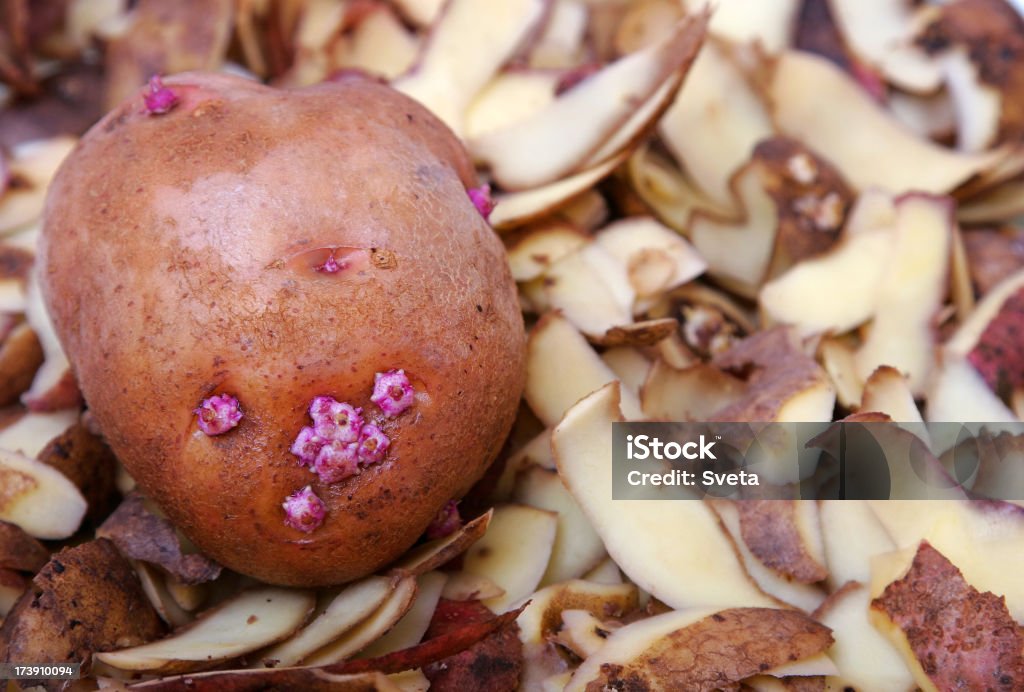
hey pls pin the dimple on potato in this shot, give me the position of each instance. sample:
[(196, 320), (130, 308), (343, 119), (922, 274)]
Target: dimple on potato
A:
[(232, 269)]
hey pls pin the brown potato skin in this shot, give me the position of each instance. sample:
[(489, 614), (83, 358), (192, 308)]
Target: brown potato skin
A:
[(85, 599), (178, 259)]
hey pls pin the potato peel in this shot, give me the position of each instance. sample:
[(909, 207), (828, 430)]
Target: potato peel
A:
[(703, 570), (878, 33), (142, 535), (999, 353), (38, 498), (436, 648), (19, 551), (12, 586), (371, 628), (993, 254), (20, 358), (816, 102), (865, 659), (515, 209), (466, 46), (491, 663), (959, 638), (85, 599), (156, 43), (716, 99), (777, 372), (543, 616), (87, 462), (786, 590), (285, 679), (577, 124), (247, 622), (770, 530), (811, 199), (720, 649), (992, 33), (436, 553), (503, 556), (343, 613)]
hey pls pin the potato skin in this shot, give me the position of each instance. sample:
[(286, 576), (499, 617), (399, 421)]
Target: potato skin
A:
[(85, 599), (177, 261)]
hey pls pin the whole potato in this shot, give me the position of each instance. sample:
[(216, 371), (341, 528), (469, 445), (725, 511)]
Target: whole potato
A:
[(276, 246)]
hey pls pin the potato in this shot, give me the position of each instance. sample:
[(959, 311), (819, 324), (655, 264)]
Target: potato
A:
[(249, 250)]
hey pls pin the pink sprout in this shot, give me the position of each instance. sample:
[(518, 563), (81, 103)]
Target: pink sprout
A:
[(160, 99), (218, 414), (307, 445), (335, 420), (373, 444), (481, 198), (446, 522), (392, 392), (337, 461), (303, 510), (340, 444), (330, 266)]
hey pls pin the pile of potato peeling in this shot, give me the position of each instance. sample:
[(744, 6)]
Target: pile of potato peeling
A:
[(767, 211)]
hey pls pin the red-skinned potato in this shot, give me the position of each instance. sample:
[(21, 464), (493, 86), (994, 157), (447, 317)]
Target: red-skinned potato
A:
[(214, 247)]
